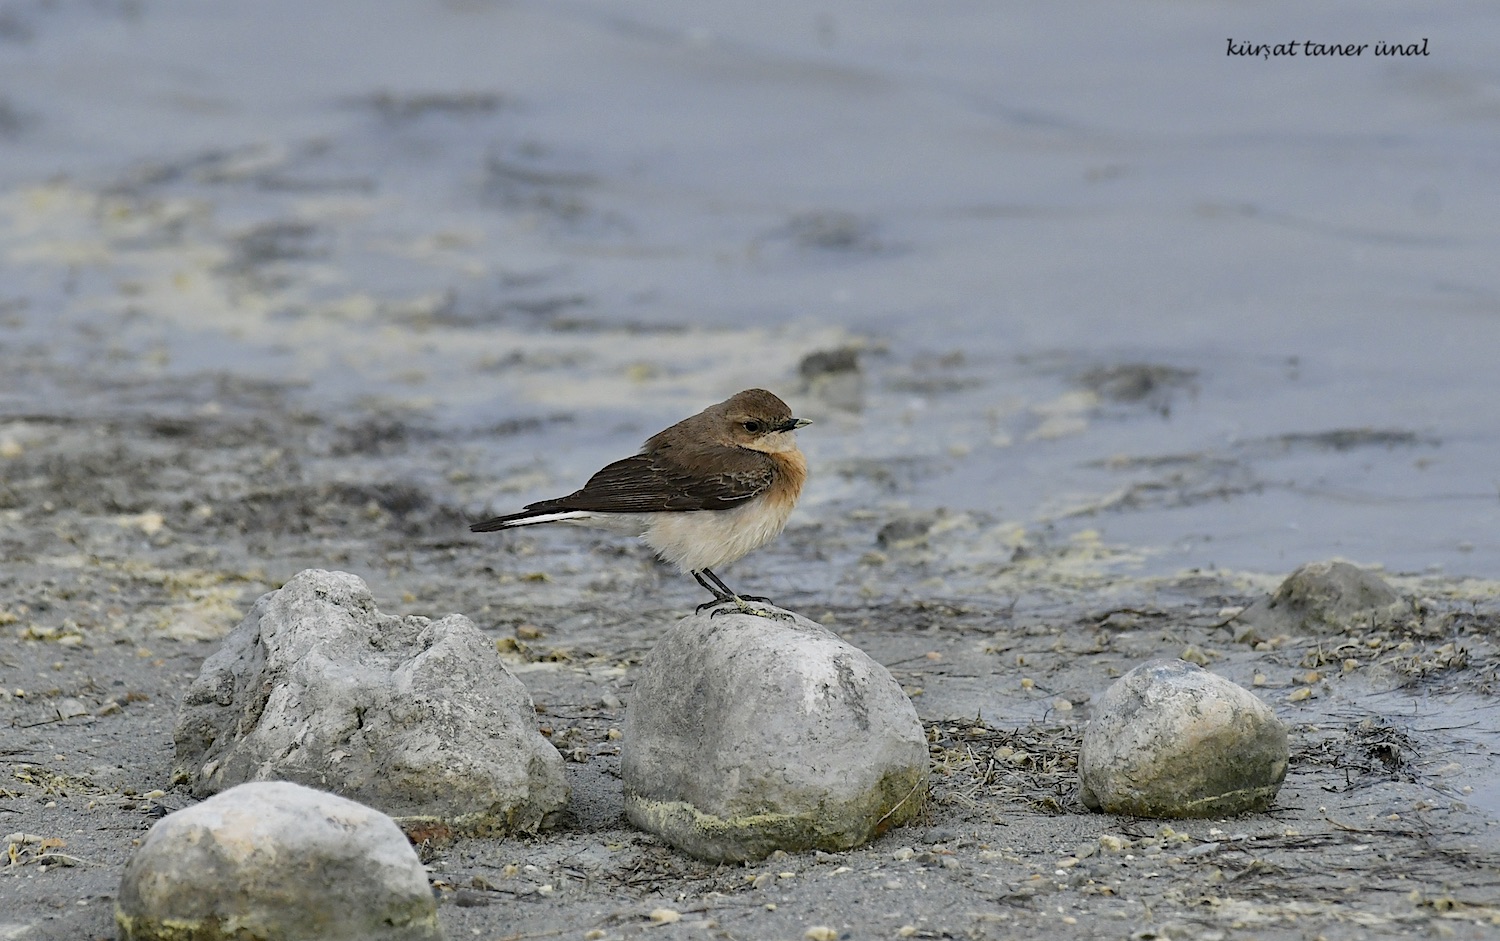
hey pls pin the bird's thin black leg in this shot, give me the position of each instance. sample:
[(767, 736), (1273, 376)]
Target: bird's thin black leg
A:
[(731, 592), (723, 593), (720, 592)]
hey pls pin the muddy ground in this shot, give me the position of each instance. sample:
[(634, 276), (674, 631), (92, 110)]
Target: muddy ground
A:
[(140, 521)]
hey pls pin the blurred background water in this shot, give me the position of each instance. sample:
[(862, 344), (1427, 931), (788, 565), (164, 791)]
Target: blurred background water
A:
[(1070, 268)]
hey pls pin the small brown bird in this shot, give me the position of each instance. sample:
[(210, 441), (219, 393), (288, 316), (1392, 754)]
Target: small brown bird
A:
[(703, 493)]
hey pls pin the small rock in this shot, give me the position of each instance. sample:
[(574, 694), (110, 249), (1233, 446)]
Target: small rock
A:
[(418, 718), (71, 708), (1170, 739), (845, 359), (276, 860), (1113, 843), (1322, 598), (834, 376), (1192, 653), (745, 735), (906, 532), (820, 933), (666, 916), (1147, 383)]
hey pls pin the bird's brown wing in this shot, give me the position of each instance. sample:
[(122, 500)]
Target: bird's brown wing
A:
[(648, 483)]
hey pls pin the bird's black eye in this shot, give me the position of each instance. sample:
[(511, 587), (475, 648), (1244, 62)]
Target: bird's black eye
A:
[(753, 426)]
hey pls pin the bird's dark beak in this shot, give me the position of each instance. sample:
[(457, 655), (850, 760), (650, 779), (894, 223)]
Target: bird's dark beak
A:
[(792, 424)]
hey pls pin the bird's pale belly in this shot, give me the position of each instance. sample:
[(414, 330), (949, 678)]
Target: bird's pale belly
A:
[(702, 539)]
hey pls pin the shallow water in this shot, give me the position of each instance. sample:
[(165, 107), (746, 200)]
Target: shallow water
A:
[(491, 211)]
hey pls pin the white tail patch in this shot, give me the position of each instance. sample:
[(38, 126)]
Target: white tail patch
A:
[(549, 518)]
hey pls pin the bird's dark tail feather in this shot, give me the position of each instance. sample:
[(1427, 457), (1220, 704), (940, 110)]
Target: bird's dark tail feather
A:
[(528, 517)]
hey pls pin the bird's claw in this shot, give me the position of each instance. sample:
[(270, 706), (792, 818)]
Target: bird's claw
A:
[(742, 606)]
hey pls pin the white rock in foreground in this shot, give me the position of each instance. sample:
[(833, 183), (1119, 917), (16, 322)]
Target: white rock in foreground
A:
[(1170, 739), (418, 718), (276, 860), (745, 735)]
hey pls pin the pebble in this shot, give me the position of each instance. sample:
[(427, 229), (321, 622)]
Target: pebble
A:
[(71, 708)]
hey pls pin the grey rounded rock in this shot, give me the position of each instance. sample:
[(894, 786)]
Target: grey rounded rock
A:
[(418, 718), (1322, 598), (745, 735), (276, 860), (1170, 739)]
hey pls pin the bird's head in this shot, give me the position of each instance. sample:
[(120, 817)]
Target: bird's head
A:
[(758, 420)]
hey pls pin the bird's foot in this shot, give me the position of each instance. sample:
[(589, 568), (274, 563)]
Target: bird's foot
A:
[(743, 606), (727, 599)]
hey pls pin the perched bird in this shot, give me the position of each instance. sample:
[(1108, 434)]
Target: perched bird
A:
[(702, 493)]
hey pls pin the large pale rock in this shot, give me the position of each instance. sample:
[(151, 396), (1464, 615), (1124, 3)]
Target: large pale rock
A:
[(418, 718), (273, 860), (745, 735), (1170, 739), (1322, 598)]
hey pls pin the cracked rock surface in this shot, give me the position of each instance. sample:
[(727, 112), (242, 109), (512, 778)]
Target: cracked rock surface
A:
[(418, 718)]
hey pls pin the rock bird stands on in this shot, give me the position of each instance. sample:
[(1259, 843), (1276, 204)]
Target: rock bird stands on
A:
[(703, 493)]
